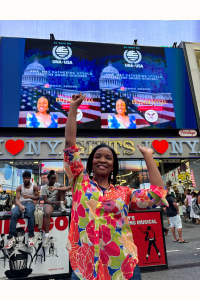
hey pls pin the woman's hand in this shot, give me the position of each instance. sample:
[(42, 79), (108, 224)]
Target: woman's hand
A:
[(155, 177), (77, 100), (145, 150)]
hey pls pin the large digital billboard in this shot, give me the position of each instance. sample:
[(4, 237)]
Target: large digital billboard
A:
[(126, 87)]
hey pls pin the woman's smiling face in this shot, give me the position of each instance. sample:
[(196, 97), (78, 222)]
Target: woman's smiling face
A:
[(120, 107), (42, 105), (103, 161)]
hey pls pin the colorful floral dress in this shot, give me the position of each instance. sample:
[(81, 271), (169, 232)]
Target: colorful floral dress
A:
[(114, 123), (34, 122), (100, 241)]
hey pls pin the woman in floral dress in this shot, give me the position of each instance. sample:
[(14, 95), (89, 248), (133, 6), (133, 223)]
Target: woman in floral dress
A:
[(100, 241)]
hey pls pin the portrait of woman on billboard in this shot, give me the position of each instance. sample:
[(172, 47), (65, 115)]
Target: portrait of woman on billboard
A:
[(121, 118), (42, 118)]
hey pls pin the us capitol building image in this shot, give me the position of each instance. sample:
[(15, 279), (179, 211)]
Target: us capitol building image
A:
[(110, 79), (34, 74), (35, 77)]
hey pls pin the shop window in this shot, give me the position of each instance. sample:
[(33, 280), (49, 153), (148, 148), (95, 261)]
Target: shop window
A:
[(179, 173), (130, 174)]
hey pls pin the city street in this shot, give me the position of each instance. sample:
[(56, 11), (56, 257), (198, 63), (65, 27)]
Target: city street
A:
[(183, 259)]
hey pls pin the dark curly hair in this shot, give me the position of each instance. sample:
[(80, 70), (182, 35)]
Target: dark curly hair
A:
[(52, 172), (115, 164)]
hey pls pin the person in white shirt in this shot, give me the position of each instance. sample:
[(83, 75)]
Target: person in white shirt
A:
[(184, 212), (192, 214), (26, 193), (180, 188), (180, 209)]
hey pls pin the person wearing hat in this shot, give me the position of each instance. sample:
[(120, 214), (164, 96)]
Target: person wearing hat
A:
[(26, 193), (150, 236)]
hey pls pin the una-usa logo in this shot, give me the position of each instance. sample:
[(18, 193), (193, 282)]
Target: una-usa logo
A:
[(62, 54), (133, 57)]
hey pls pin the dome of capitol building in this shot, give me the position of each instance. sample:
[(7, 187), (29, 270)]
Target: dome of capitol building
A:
[(110, 78), (34, 74)]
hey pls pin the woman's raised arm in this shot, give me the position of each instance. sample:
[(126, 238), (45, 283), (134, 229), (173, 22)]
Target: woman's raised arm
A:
[(70, 128), (155, 177)]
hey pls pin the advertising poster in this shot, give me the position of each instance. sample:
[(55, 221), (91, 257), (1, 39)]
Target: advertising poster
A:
[(126, 87), (151, 83), (23, 261), (134, 88), (148, 237), (53, 72)]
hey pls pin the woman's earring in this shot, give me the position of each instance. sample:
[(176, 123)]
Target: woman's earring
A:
[(92, 174), (47, 109), (111, 175)]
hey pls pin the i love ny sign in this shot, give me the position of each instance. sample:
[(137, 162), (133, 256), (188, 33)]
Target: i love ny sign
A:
[(14, 147), (42, 148)]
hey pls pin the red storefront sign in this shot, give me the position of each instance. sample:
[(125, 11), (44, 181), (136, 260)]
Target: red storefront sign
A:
[(60, 223), (148, 237)]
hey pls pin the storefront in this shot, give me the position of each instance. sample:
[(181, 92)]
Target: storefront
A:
[(176, 158)]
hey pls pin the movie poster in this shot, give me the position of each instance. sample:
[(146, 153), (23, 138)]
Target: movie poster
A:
[(23, 261), (148, 237)]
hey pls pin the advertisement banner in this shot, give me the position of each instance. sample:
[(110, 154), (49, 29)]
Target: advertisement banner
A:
[(148, 237), (126, 87), (23, 261)]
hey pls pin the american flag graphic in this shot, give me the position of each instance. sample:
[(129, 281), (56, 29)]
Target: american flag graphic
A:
[(62, 51), (108, 107), (29, 96), (132, 55)]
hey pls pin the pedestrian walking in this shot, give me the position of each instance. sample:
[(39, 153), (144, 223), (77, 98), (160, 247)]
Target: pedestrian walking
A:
[(100, 241), (188, 202), (180, 209), (172, 193), (192, 213), (184, 210), (169, 185), (180, 188), (174, 218)]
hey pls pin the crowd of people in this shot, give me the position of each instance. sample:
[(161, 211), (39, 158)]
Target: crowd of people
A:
[(180, 209)]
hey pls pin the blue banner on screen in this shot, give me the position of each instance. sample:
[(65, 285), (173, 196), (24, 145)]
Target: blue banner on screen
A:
[(126, 87)]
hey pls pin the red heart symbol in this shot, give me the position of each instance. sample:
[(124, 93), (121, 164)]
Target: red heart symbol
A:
[(160, 146), (14, 147)]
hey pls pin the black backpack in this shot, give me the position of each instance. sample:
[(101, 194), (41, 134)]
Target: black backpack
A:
[(196, 207)]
